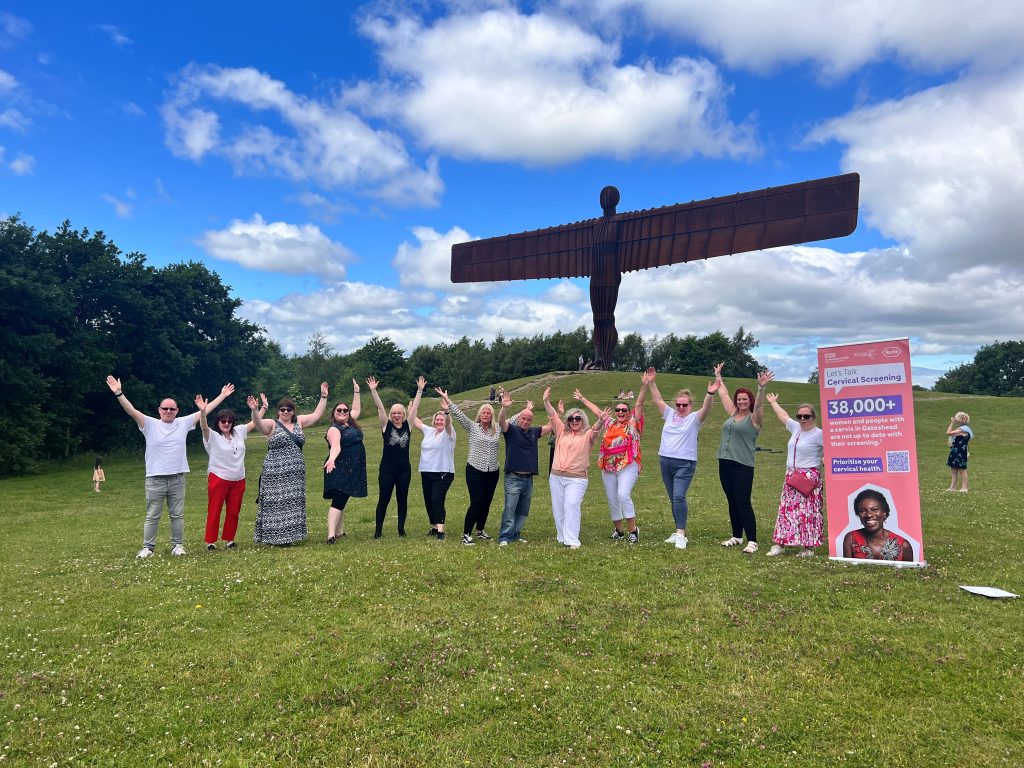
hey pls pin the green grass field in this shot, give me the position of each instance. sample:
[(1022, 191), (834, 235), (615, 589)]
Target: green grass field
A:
[(411, 652)]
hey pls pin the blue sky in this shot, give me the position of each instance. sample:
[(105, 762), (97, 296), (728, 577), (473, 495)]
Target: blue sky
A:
[(323, 157)]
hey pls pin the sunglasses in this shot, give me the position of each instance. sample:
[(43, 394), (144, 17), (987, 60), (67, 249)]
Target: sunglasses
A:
[(805, 416), (622, 410), (682, 405), (575, 418), (341, 410), (285, 409), (164, 408), (226, 421)]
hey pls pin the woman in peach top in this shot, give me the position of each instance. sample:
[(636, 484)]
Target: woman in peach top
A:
[(574, 438)]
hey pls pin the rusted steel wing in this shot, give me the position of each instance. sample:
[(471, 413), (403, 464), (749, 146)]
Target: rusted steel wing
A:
[(749, 221)]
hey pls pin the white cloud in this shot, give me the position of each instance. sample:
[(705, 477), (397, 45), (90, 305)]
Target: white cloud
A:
[(15, 120), (838, 37), (278, 247), (325, 143), (428, 264), (8, 82), (23, 165), (320, 207), (13, 28), (115, 34), (133, 109), (121, 208), (943, 171), (502, 85)]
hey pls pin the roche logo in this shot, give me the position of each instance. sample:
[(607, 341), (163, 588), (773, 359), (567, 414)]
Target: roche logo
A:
[(891, 352)]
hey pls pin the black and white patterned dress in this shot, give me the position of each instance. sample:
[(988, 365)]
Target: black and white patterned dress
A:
[(281, 505)]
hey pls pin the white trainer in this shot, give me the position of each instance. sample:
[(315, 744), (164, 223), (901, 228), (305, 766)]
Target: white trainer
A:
[(144, 553), (775, 551), (681, 542), (672, 539), (178, 550)]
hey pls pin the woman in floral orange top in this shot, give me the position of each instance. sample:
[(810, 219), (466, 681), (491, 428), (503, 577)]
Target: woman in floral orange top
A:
[(619, 460)]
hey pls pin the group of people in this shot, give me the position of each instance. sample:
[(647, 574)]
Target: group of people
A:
[(281, 497)]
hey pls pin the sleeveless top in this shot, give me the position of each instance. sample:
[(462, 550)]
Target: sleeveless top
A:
[(395, 454)]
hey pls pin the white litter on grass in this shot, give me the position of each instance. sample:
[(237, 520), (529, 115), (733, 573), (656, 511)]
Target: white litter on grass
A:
[(988, 591)]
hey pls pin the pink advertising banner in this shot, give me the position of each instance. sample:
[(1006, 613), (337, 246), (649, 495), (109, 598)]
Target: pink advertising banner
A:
[(874, 506)]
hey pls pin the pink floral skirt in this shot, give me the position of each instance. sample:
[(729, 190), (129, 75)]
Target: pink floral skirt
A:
[(800, 520)]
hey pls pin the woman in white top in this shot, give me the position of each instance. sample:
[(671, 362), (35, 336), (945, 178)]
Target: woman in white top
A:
[(226, 472), (800, 522), (678, 452), (437, 465)]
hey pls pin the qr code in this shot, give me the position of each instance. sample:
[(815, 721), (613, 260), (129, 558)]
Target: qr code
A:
[(897, 461)]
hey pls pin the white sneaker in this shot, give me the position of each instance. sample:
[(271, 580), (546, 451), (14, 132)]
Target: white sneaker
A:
[(502, 543), (144, 553), (776, 550), (178, 550), (672, 539), (681, 542)]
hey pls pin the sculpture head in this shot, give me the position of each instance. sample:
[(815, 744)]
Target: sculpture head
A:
[(609, 199)]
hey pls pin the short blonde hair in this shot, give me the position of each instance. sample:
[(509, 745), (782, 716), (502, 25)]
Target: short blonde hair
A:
[(686, 392), (573, 412), (494, 420), (962, 417)]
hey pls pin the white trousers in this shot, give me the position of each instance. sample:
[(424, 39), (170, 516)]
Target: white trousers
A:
[(566, 499), (618, 487)]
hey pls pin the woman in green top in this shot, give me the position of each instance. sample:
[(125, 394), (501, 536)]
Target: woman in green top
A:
[(736, 456)]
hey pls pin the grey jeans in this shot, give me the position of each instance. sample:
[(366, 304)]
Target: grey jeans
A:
[(158, 489)]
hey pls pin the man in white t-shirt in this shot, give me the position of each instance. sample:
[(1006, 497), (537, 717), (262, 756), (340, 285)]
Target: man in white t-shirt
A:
[(166, 464)]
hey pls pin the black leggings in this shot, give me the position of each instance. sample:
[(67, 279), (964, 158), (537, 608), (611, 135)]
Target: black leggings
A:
[(339, 499), (481, 493), (397, 483), (738, 483), (435, 489)]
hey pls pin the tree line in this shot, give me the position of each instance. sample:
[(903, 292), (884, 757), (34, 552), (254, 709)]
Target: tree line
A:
[(76, 308)]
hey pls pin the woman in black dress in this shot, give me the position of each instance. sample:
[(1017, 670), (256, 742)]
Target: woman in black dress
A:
[(395, 470), (345, 468), (959, 436)]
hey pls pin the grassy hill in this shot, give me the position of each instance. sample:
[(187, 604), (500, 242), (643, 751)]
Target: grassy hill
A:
[(409, 652)]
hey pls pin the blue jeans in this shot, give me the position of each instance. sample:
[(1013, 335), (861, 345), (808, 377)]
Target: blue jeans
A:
[(677, 474), (518, 494)]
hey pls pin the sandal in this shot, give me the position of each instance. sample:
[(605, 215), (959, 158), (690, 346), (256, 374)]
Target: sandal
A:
[(775, 550), (807, 552), (751, 548), (733, 542)]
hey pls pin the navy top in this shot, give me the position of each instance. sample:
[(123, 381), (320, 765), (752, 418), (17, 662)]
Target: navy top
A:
[(521, 449)]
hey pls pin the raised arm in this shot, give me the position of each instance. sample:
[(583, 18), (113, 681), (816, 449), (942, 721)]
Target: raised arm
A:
[(265, 426), (446, 407), (554, 420), (638, 409), (309, 419), (709, 400), (954, 428), (414, 407), (381, 416), (115, 387), (356, 408), (757, 418), (226, 390), (506, 403), (262, 410), (586, 403), (780, 412), (203, 423), (723, 391), (659, 401)]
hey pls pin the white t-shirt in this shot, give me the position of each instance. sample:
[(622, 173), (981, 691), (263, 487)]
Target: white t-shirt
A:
[(437, 451), (227, 457), (679, 435), (165, 445), (809, 445)]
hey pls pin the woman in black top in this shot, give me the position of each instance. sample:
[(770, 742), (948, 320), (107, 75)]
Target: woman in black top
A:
[(395, 470)]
